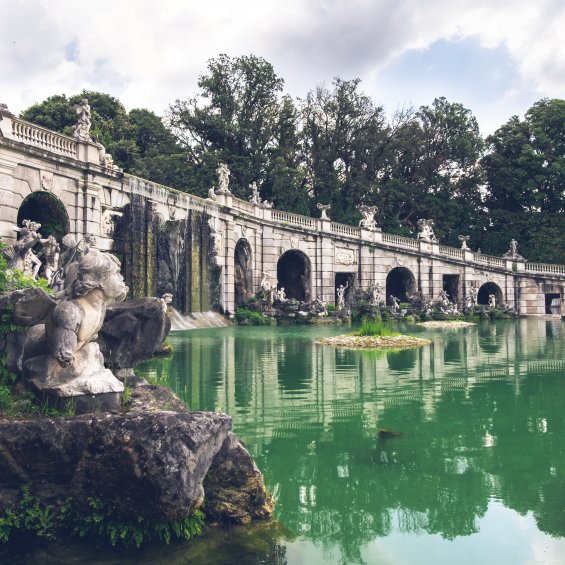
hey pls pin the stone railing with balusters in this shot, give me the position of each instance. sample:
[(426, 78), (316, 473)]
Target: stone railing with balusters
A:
[(36, 136), (294, 219), (343, 229), (400, 241), (489, 260), (452, 252), (545, 268)]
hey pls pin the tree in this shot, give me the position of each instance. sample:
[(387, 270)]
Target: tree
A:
[(234, 119), (432, 171), (525, 175), (344, 137)]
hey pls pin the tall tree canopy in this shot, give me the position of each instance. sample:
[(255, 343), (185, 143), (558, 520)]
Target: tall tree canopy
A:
[(336, 146), (525, 174)]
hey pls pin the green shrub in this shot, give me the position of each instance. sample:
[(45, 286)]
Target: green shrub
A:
[(375, 329), (331, 307), (246, 317)]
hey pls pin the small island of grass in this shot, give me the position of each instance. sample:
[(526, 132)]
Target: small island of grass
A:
[(374, 335)]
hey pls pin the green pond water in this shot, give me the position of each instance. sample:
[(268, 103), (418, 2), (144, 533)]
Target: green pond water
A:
[(478, 475)]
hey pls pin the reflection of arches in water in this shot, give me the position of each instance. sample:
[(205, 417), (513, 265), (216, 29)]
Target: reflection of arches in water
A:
[(242, 272), (487, 289), (294, 367), (48, 210), (404, 360), (400, 282), (293, 274)]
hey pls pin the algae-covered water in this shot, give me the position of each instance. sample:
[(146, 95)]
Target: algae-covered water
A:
[(478, 475)]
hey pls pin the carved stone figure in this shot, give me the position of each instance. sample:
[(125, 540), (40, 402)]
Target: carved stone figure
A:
[(255, 196), (265, 283), (281, 294), (376, 294), (394, 303), (223, 179), (324, 208), (368, 221), (50, 250), (341, 295), (470, 300), (491, 301), (464, 239), (20, 255), (426, 231), (82, 128), (512, 253), (61, 357), (211, 194)]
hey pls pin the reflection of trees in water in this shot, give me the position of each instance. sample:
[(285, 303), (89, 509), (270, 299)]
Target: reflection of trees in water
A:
[(467, 440)]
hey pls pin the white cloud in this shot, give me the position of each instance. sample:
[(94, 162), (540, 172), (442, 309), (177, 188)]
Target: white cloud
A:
[(148, 53)]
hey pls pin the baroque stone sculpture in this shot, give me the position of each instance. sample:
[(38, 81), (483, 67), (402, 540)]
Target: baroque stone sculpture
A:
[(324, 208), (368, 221), (20, 255), (464, 239), (82, 128), (341, 296), (426, 231), (223, 179), (61, 358)]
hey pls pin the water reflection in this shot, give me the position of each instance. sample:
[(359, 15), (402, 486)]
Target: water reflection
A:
[(481, 456), (481, 409)]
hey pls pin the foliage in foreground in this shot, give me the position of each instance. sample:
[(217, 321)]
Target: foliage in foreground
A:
[(98, 521)]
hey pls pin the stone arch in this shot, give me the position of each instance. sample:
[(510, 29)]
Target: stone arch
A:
[(400, 282), (293, 273), (48, 210), (243, 272), (489, 288)]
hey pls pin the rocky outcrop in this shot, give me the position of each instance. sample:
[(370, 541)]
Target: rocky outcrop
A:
[(147, 462), (234, 486)]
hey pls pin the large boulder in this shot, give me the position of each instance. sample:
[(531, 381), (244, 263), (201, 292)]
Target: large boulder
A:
[(152, 462)]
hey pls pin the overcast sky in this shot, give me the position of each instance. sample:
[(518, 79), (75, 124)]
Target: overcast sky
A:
[(497, 57)]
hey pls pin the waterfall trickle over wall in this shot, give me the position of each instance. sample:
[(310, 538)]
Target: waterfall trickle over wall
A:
[(173, 256)]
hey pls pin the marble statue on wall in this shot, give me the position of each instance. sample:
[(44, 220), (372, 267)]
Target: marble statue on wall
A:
[(223, 173), (426, 231), (368, 221), (82, 128), (512, 252), (394, 303), (324, 208), (341, 295), (464, 239), (255, 196)]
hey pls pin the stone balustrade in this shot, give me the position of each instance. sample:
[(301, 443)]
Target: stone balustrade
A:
[(545, 268), (453, 252), (294, 219), (36, 136), (343, 229), (243, 206), (400, 241)]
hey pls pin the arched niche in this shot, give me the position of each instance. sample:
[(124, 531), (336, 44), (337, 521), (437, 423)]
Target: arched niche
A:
[(488, 289), (400, 282), (48, 210), (293, 274), (243, 275)]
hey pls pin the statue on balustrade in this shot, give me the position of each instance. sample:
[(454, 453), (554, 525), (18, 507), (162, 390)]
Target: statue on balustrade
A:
[(82, 128), (223, 179), (368, 221), (426, 231)]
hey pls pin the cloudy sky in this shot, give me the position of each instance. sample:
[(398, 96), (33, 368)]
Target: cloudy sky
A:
[(497, 57)]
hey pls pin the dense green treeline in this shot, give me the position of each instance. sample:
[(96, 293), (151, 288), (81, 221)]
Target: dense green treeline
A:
[(336, 146)]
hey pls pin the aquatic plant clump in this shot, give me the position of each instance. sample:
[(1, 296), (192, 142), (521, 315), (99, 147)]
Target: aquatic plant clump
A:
[(375, 328)]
